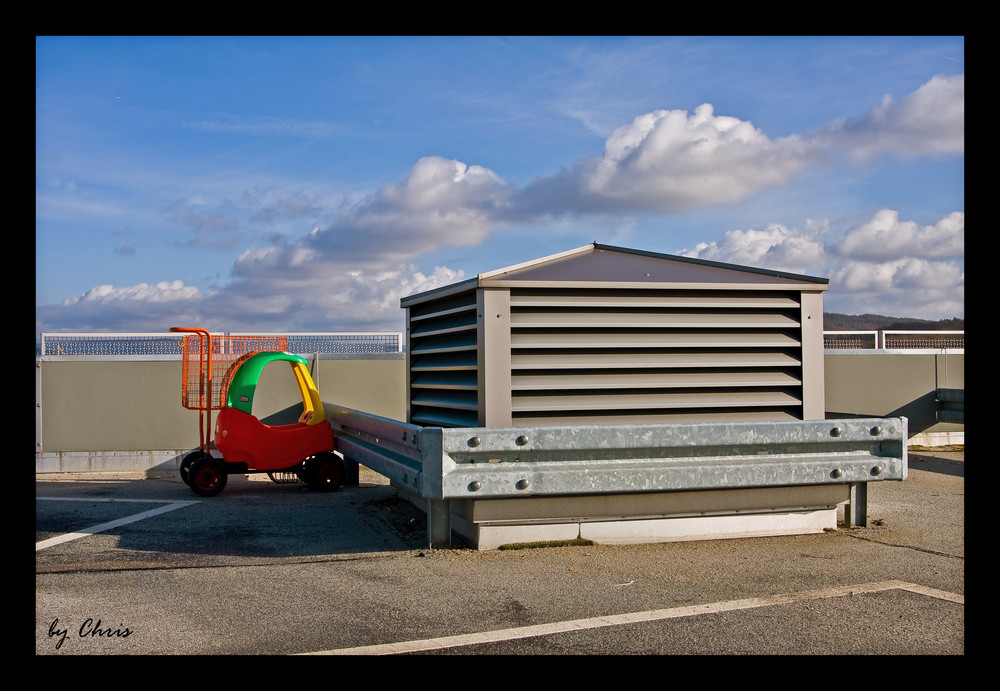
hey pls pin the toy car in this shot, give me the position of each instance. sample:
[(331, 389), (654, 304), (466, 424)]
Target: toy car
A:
[(247, 445)]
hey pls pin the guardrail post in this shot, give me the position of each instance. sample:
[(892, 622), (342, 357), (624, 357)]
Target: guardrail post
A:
[(856, 510), (438, 522), (429, 485)]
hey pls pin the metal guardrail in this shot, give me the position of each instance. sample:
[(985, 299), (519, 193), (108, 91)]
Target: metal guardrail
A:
[(127, 344), (442, 464), (952, 402), (392, 342)]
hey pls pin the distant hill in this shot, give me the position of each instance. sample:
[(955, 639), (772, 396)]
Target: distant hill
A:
[(876, 322)]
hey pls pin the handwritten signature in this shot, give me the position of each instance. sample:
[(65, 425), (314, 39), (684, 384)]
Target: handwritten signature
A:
[(88, 629)]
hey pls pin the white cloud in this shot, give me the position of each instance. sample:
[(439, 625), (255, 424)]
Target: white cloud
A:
[(666, 161), (884, 265), (340, 301), (929, 121), (670, 161), (440, 202), (886, 237), (907, 287), (775, 247), (164, 291)]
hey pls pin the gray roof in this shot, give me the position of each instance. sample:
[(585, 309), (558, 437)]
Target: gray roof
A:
[(604, 266)]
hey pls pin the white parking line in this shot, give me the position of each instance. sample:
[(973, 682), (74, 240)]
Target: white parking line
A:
[(170, 506), (636, 617)]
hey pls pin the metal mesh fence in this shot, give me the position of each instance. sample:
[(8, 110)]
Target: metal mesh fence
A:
[(850, 340), (392, 342), (346, 343), (110, 344), (894, 340), (128, 344), (924, 339)]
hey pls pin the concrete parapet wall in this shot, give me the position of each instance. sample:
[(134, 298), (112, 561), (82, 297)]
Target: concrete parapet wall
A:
[(894, 383), (104, 414), (99, 413)]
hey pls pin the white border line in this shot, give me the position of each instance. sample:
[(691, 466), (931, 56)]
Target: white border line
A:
[(171, 505), (637, 617)]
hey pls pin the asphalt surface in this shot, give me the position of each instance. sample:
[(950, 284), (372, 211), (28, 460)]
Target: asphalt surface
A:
[(126, 565)]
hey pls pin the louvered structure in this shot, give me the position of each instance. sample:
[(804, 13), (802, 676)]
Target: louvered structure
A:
[(609, 335)]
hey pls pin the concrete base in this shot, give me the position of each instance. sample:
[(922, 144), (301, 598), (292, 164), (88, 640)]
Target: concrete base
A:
[(632, 532), (645, 517), (108, 461), (932, 439)]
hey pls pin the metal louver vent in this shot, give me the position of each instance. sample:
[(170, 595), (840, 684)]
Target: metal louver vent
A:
[(602, 335), (621, 356), (443, 363)]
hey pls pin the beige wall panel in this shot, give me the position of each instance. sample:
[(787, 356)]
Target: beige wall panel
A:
[(887, 384), (89, 405)]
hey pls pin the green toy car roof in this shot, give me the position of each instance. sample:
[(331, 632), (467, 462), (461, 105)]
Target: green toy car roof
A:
[(244, 380)]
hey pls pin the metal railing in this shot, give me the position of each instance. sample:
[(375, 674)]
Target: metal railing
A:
[(894, 340), (392, 342), (117, 344)]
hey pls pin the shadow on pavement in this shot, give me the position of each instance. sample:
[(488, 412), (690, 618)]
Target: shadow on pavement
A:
[(943, 462), (250, 519)]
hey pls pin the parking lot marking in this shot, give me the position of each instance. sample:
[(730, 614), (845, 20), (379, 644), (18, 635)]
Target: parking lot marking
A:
[(76, 535), (637, 617)]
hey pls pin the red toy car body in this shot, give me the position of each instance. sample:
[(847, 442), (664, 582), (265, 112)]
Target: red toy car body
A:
[(247, 445)]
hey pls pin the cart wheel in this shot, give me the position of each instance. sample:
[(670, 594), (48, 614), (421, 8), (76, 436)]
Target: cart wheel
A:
[(325, 472), (187, 462), (207, 476)]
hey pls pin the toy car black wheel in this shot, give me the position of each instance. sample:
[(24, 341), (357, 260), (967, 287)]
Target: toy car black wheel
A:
[(187, 462), (325, 472), (207, 476)]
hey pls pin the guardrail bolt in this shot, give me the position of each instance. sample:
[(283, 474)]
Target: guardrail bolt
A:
[(521, 441), (835, 432), (837, 472), (876, 431), (475, 441), (877, 470), (522, 484), (475, 486)]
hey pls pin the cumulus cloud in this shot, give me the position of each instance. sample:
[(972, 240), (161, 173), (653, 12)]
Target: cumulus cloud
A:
[(351, 300), (886, 237), (929, 121), (164, 291), (775, 247), (439, 202), (142, 307), (883, 265), (669, 161), (672, 161), (665, 161), (909, 287)]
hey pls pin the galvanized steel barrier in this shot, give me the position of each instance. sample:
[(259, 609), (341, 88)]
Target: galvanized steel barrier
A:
[(952, 402), (441, 464)]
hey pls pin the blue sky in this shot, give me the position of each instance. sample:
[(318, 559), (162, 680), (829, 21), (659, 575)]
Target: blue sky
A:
[(307, 184)]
